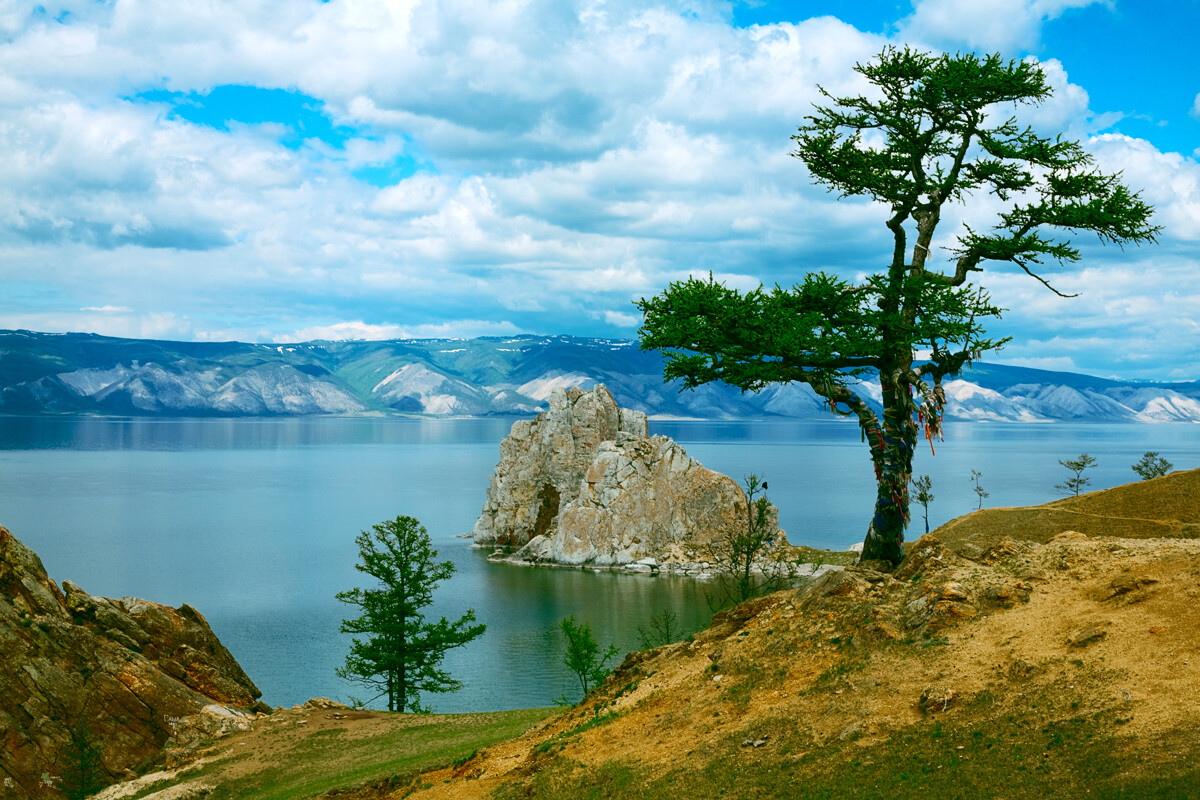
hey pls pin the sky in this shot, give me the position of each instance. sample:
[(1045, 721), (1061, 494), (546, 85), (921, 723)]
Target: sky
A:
[(286, 171)]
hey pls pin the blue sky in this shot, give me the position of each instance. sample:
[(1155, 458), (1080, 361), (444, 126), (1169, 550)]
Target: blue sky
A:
[(358, 169)]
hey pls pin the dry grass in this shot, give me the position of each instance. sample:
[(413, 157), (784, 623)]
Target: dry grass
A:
[(1017, 653), (1040, 667)]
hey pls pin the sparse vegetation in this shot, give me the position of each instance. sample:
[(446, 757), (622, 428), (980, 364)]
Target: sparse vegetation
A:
[(583, 657), (748, 563), (978, 489), (284, 761), (1078, 480), (923, 494), (663, 628), (1152, 465)]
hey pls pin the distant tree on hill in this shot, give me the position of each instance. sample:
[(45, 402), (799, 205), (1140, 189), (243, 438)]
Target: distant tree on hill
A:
[(663, 628), (924, 495), (978, 489), (744, 566), (935, 132), (1077, 466), (1152, 465), (403, 653)]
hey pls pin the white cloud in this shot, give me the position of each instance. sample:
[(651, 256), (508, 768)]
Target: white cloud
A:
[(1168, 181), (991, 25), (570, 155), (343, 331)]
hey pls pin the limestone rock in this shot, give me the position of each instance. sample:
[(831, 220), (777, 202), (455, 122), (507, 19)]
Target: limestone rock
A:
[(583, 483), (543, 460), (118, 676)]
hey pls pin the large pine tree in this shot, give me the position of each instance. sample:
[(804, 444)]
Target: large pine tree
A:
[(937, 131)]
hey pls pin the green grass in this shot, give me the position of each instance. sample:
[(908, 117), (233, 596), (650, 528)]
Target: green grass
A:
[(332, 759), (1014, 758)]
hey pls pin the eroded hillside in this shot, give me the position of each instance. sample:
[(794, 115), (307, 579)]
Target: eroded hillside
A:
[(1012, 655), (1056, 665)]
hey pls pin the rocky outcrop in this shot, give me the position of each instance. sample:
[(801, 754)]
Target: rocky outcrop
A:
[(543, 461), (94, 690), (583, 484)]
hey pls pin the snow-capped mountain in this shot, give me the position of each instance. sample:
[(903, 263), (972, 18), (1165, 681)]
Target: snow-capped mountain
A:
[(83, 373)]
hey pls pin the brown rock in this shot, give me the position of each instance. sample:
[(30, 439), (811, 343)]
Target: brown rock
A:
[(935, 699), (1129, 586), (953, 590), (1085, 636), (926, 557), (1009, 594), (1007, 548), (121, 676), (880, 631)]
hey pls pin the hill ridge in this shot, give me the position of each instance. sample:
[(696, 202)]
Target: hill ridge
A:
[(90, 374)]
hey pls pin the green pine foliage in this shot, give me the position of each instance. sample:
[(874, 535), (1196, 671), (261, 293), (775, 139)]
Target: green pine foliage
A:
[(1078, 480), (1152, 465), (401, 655), (923, 495), (940, 129), (583, 656)]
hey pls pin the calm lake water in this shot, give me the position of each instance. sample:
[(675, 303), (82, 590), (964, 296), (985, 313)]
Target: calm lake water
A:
[(253, 523)]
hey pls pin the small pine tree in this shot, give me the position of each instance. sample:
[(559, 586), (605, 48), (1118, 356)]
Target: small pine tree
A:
[(1077, 481), (663, 629), (1152, 465), (403, 654), (923, 495), (745, 566), (583, 655), (978, 488)]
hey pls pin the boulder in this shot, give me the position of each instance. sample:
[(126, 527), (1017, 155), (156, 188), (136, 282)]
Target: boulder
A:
[(93, 689), (583, 484)]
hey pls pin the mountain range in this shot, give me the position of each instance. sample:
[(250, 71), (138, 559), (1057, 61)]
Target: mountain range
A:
[(78, 373)]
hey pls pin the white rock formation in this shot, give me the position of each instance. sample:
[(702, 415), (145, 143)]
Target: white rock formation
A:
[(543, 460), (583, 484)]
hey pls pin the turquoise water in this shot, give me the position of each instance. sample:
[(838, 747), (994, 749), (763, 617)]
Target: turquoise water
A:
[(253, 522)]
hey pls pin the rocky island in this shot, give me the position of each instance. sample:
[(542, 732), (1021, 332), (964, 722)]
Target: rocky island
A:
[(584, 484)]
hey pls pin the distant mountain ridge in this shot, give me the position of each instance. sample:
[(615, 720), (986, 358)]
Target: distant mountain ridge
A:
[(74, 373)]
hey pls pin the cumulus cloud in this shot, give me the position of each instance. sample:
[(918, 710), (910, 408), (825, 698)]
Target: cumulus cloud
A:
[(466, 169), (991, 25)]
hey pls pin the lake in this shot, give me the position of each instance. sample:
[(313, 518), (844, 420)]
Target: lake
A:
[(253, 523)]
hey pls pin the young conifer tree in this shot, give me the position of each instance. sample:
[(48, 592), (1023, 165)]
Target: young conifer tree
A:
[(402, 654)]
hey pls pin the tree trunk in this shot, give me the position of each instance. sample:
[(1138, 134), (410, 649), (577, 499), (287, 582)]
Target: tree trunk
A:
[(892, 452)]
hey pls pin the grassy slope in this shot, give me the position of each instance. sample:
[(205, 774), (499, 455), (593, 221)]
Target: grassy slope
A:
[(308, 752), (1003, 659), (1049, 669)]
